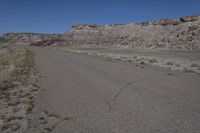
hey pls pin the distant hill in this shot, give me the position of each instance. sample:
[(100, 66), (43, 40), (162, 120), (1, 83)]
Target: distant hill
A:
[(27, 38)]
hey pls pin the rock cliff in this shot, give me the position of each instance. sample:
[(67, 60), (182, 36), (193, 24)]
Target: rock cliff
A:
[(182, 33), (176, 34)]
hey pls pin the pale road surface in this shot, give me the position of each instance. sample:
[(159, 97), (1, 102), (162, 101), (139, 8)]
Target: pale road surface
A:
[(100, 96)]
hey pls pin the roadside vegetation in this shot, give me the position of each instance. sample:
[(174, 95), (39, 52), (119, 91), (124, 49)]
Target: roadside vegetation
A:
[(183, 65), (16, 91), (15, 64)]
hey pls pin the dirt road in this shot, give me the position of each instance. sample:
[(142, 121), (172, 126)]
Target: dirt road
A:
[(82, 94)]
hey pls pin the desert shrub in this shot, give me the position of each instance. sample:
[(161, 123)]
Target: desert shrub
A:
[(169, 63), (194, 65), (135, 57), (178, 65), (153, 61), (138, 59), (187, 70), (124, 57), (142, 62)]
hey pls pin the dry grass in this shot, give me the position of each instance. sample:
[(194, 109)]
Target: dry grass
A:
[(15, 66)]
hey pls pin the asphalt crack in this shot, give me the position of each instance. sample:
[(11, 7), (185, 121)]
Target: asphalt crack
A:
[(109, 104), (121, 90)]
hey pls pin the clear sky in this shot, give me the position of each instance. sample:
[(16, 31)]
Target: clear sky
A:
[(57, 16)]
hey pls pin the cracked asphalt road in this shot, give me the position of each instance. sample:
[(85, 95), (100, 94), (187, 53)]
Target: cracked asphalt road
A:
[(100, 96)]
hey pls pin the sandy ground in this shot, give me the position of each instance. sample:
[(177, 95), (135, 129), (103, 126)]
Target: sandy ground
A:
[(83, 94)]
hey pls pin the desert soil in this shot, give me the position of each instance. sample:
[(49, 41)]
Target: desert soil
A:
[(83, 94)]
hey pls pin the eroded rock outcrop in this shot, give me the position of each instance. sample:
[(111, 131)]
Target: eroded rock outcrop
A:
[(182, 33), (176, 34)]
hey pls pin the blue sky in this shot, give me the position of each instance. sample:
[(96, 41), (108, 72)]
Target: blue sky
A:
[(57, 16)]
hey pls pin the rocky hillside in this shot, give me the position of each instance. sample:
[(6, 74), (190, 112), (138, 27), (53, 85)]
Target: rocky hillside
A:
[(182, 33), (2, 40), (176, 34), (26, 38)]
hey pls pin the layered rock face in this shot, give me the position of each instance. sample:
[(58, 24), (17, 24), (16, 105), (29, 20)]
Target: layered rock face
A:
[(177, 34), (26, 38)]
